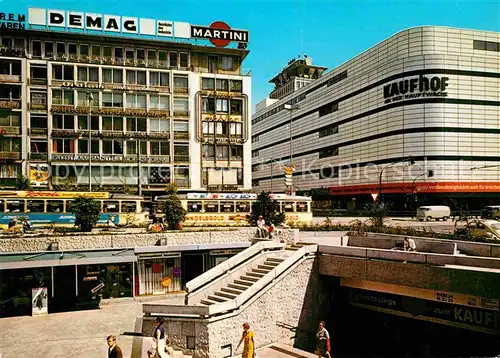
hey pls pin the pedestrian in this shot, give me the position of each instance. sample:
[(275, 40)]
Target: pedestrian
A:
[(12, 223), (159, 345), (323, 341), (409, 244), (113, 351), (249, 343), (261, 227)]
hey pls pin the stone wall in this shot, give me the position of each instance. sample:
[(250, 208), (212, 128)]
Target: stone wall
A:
[(287, 302), (130, 240)]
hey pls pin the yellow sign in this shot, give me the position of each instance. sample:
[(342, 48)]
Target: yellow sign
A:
[(166, 281), (39, 174), (55, 194)]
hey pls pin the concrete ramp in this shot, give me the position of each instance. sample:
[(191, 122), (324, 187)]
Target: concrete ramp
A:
[(280, 350)]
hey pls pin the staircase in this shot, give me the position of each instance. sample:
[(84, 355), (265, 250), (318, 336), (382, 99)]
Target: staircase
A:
[(232, 290)]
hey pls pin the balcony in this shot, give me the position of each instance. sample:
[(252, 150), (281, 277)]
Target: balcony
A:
[(37, 106), (10, 130), (107, 158), (63, 108), (10, 78), (37, 81), (178, 113), (64, 133), (38, 131), (182, 182), (38, 156), (12, 51), (159, 135), (181, 90), (181, 158), (8, 182), (10, 103), (181, 135), (159, 159), (10, 155), (159, 113)]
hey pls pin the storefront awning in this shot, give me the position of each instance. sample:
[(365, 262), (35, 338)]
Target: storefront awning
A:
[(192, 247), (65, 258)]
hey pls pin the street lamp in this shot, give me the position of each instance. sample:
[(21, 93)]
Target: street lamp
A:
[(409, 159), (90, 98)]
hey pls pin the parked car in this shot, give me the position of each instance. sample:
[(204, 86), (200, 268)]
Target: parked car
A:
[(435, 212), (489, 229), (491, 212)]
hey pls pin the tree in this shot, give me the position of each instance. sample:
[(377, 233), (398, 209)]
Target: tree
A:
[(174, 212), (378, 214), (268, 208), (23, 182), (87, 212)]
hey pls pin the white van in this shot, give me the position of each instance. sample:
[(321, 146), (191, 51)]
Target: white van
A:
[(433, 212)]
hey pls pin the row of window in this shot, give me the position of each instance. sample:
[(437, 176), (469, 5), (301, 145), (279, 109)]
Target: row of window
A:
[(222, 128), (221, 105), (210, 84), (60, 206), (210, 151), (486, 45)]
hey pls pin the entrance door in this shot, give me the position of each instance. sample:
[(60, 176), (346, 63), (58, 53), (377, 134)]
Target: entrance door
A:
[(193, 265), (64, 289)]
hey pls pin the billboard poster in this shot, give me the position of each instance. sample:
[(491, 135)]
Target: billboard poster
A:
[(39, 174), (39, 302)]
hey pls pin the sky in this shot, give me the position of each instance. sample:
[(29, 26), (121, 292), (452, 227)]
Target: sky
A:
[(329, 31)]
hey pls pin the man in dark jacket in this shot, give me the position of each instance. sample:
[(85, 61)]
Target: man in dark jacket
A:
[(113, 351)]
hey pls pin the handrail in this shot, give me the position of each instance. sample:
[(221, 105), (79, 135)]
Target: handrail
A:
[(229, 264)]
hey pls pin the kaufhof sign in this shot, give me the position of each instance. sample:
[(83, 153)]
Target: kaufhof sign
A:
[(419, 87), (218, 33)]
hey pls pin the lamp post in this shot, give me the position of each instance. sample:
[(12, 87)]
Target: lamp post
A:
[(290, 108), (90, 98), (410, 159)]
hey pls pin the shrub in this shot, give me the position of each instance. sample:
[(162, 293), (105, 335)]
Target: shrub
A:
[(268, 208), (87, 212), (23, 182), (174, 212)]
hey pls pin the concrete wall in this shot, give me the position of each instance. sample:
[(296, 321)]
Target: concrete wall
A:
[(384, 242), (128, 240)]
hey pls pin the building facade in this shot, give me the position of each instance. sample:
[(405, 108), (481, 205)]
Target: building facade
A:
[(415, 117), (154, 111)]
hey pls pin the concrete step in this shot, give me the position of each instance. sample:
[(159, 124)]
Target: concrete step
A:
[(249, 278), (265, 267), (225, 294), (217, 298), (237, 287), (292, 248), (262, 271), (243, 283), (233, 291), (275, 259), (271, 263), (255, 274), (207, 302)]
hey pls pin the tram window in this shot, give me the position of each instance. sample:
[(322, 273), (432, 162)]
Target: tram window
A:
[(55, 206), (194, 206), (288, 207), (35, 206), (2, 206), (212, 207), (301, 207), (15, 206), (129, 206), (111, 206), (227, 206), (243, 207)]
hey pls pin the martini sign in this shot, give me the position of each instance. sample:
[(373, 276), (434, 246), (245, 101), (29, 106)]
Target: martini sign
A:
[(219, 33)]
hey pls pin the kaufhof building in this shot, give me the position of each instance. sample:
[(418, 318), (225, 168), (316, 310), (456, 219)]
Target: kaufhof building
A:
[(124, 101), (416, 117)]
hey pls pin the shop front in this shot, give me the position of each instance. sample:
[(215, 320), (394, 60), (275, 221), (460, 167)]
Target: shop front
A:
[(158, 273), (219, 256)]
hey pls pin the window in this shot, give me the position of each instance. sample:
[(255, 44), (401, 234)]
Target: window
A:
[(159, 79), (208, 151), (159, 125), (60, 49), (329, 130), (132, 147), (222, 152), (479, 45), (235, 129), (84, 50), (83, 101), (83, 122), (38, 98), (83, 146), (207, 84), (111, 207), (181, 150), (129, 206), (136, 124), (10, 145), (37, 48), (62, 73), (255, 138), (222, 105), (10, 119), (492, 46), (328, 108), (63, 97), (72, 50), (96, 51), (135, 100), (114, 146), (227, 206), (183, 60), (107, 51), (160, 147), (194, 206), (328, 152), (159, 102), (112, 124), (152, 57), (222, 85), (136, 77), (227, 63), (63, 121), (88, 74), (141, 54), (118, 54), (49, 50), (172, 59), (181, 82), (112, 75), (162, 56), (236, 152), (255, 153), (38, 146), (63, 146), (181, 127), (15, 206), (208, 105), (236, 85), (55, 206), (208, 127), (212, 207), (181, 106), (38, 122), (129, 54), (221, 128), (112, 99), (236, 106)]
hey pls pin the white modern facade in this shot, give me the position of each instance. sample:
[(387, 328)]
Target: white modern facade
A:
[(173, 112), (429, 93)]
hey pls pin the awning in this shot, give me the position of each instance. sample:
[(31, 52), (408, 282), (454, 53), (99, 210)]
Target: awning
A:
[(192, 247), (65, 258)]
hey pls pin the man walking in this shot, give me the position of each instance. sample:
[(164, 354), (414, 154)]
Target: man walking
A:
[(113, 351)]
